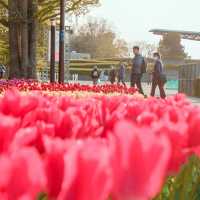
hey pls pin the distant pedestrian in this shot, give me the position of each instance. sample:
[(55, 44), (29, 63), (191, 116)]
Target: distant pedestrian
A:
[(122, 74), (2, 71), (149, 77), (73, 77), (112, 75), (138, 69), (159, 78), (76, 77), (95, 74)]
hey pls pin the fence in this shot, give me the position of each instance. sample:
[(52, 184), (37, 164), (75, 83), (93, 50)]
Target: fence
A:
[(187, 75)]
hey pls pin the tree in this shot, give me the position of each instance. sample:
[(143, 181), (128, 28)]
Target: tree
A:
[(98, 39), (3, 45), (22, 18), (171, 48), (3, 36), (48, 9), (146, 49)]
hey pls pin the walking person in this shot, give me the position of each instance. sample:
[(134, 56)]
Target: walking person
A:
[(138, 69), (2, 71), (95, 74), (122, 74), (149, 78), (112, 75), (159, 78)]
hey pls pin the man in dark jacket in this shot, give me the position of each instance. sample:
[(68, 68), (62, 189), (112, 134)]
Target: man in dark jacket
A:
[(138, 68), (122, 74), (95, 74), (159, 78), (112, 75)]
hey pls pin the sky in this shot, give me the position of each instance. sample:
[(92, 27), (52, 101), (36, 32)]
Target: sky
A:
[(132, 19)]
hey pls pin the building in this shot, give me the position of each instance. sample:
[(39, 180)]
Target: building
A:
[(79, 56)]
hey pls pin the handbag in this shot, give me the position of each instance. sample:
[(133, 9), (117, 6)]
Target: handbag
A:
[(163, 78)]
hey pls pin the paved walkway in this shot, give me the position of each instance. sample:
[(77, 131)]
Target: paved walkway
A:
[(194, 100), (147, 90)]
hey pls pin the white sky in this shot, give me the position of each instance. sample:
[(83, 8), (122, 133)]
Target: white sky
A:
[(132, 19)]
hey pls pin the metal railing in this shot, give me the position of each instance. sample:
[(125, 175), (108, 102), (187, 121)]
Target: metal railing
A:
[(188, 74)]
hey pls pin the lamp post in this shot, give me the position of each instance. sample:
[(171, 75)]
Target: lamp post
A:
[(52, 61), (62, 43), (69, 31)]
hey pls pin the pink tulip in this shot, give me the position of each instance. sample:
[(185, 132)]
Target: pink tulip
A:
[(140, 162), (8, 128), (75, 172), (92, 170), (22, 174), (91, 146)]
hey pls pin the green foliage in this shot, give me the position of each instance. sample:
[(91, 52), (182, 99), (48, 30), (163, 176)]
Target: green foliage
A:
[(84, 67), (3, 45), (42, 196), (50, 8), (46, 9), (3, 33), (171, 48), (42, 45), (184, 186)]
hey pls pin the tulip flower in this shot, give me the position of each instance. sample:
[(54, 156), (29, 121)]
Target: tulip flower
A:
[(80, 142), (22, 174), (139, 163)]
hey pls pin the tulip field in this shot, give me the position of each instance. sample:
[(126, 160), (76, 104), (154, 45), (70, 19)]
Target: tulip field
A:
[(63, 88), (76, 142)]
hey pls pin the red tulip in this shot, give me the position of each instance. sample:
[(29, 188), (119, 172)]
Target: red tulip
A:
[(8, 129), (92, 178), (31, 85), (194, 129), (178, 137), (68, 146), (55, 168), (22, 175), (140, 162)]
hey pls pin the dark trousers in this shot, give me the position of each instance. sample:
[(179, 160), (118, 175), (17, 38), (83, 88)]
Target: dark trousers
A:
[(112, 80), (1, 75), (136, 81), (121, 80), (156, 82), (95, 81)]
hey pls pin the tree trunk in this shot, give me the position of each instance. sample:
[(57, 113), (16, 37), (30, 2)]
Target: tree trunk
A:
[(32, 39), (24, 37), (14, 68)]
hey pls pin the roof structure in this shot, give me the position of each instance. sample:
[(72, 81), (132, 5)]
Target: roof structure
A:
[(188, 35)]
